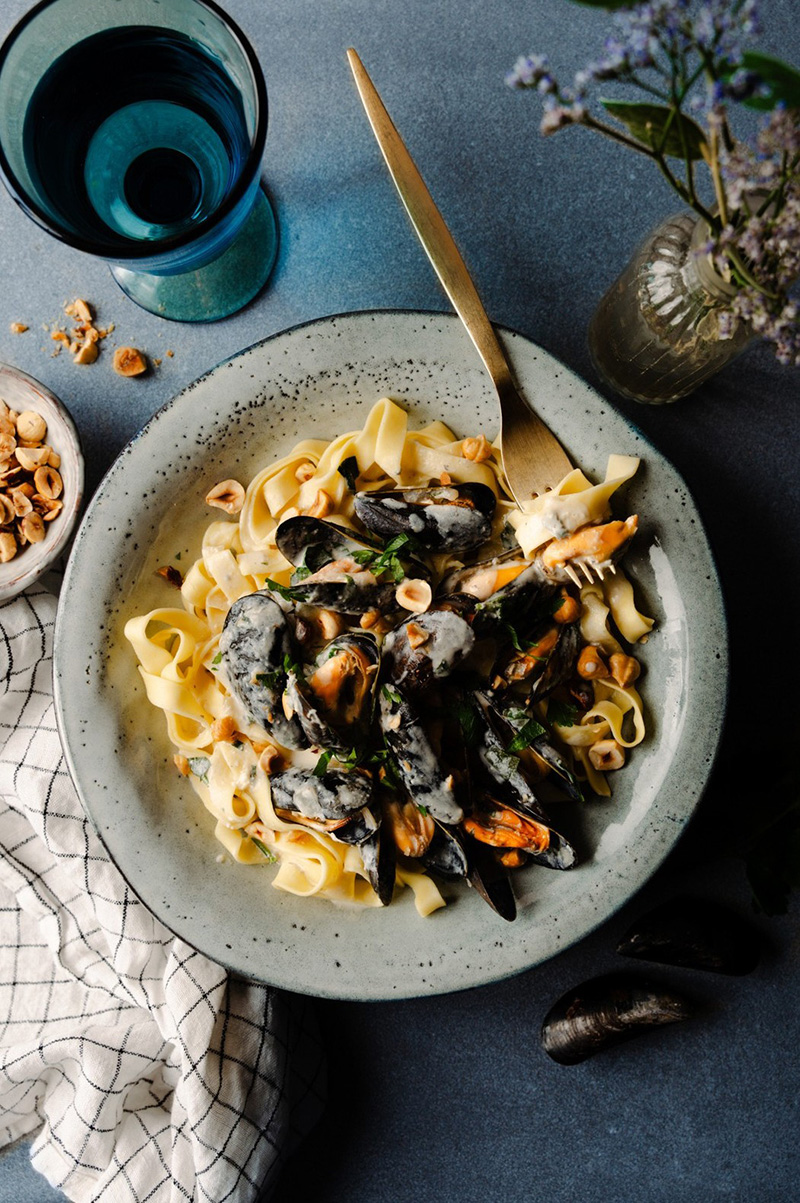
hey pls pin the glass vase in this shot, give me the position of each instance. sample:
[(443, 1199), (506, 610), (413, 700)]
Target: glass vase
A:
[(656, 334)]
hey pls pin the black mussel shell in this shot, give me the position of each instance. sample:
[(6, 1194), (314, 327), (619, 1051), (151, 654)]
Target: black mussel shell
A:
[(606, 1011), (426, 780), (516, 717), (449, 642), (445, 854), (311, 542), (455, 517), (694, 934), (334, 795), (524, 599), (255, 644), (490, 880), (561, 661), (379, 858), (359, 829)]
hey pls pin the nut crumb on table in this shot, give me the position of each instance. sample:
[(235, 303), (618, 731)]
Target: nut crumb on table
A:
[(128, 361)]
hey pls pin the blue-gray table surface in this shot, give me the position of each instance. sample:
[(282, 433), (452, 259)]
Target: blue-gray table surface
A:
[(452, 1097)]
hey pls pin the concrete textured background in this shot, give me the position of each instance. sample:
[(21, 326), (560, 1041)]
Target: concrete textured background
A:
[(451, 1097)]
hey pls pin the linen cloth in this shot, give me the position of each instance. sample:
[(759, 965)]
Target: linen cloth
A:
[(153, 1073)]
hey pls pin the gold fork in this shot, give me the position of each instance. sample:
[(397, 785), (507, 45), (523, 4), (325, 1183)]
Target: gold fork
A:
[(533, 459)]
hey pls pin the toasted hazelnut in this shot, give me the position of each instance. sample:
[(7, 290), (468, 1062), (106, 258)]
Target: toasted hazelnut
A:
[(58, 336), (304, 471), (7, 511), (79, 309), (168, 573), (445, 479), (8, 546), (181, 764), (591, 664), (8, 445), (31, 458), (224, 729), (54, 459), (606, 755), (129, 362), (323, 505), (21, 502), (270, 760), (414, 594), (48, 507), (330, 623), (624, 669), (31, 427), (33, 527), (85, 353), (228, 495), (369, 619), (416, 635), (48, 481), (18, 327), (477, 450)]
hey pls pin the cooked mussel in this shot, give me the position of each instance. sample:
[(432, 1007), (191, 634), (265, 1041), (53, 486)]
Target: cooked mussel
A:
[(378, 856), (446, 855), (607, 1011), (591, 547), (490, 879), (693, 933), (335, 795), (427, 647), (425, 779), (518, 719), (546, 661), (454, 518), (503, 589), (501, 826), (339, 569), (334, 702), (256, 645)]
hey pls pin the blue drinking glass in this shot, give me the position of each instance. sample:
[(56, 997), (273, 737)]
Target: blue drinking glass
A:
[(134, 130)]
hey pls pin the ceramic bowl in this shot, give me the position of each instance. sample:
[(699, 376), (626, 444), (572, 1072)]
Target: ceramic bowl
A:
[(21, 392), (320, 380)]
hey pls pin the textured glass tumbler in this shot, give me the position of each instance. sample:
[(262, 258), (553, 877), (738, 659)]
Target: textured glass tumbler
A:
[(656, 334), (134, 130)]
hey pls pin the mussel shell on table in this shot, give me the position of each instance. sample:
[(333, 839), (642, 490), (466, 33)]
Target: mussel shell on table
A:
[(607, 1011), (452, 518), (693, 933), (255, 644)]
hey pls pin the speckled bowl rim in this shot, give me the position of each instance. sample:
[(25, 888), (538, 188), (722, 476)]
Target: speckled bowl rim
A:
[(36, 559), (313, 947)]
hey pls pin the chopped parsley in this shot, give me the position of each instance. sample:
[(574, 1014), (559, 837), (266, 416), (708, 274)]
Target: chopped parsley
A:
[(284, 591), (391, 695), (563, 714), (321, 766), (266, 852), (302, 571), (525, 736), (215, 663)]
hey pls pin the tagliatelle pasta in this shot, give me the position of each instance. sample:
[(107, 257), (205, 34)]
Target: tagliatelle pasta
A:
[(242, 727)]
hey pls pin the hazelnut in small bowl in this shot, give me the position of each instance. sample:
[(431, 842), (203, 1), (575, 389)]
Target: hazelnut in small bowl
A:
[(41, 480)]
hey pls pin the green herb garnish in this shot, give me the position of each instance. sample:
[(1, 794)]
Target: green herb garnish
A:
[(321, 766), (563, 714), (266, 852), (391, 695), (284, 591), (525, 737), (302, 571)]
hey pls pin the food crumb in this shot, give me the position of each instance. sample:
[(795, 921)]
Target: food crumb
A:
[(18, 327), (170, 354), (128, 361)]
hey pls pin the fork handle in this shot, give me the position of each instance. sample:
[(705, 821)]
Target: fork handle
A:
[(432, 231)]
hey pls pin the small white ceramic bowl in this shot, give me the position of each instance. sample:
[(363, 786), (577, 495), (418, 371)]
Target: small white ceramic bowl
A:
[(21, 392)]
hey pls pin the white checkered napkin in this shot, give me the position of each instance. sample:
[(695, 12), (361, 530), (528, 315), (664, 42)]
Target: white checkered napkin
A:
[(152, 1073)]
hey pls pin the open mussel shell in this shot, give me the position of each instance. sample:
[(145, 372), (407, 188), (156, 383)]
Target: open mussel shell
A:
[(693, 933), (453, 518), (427, 647), (334, 703), (379, 858), (516, 717), (426, 780), (334, 795), (255, 644), (504, 589), (311, 542), (607, 1011)]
